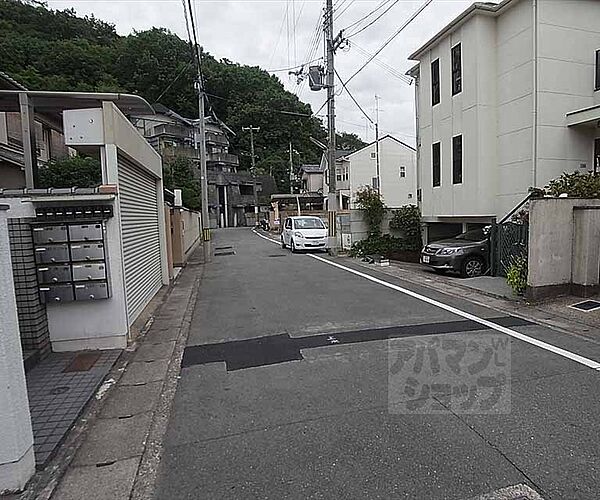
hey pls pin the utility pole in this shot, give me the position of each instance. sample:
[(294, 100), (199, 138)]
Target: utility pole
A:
[(377, 142), (252, 130), (201, 148), (291, 170), (330, 84)]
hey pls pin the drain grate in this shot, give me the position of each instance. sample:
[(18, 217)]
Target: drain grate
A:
[(224, 248), (587, 305), (231, 252), (277, 255)]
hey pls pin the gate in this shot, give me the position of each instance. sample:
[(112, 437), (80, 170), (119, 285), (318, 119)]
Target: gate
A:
[(508, 240)]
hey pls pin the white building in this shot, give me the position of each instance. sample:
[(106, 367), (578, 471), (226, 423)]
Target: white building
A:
[(397, 163), (507, 97)]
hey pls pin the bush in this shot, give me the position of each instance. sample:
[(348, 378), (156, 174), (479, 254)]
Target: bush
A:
[(407, 221), (71, 171), (575, 185), (370, 202), (377, 244), (516, 275)]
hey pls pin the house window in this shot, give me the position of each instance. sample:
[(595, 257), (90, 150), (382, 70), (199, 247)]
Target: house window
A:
[(373, 156), (456, 70), (457, 160), (436, 164), (435, 82), (598, 69), (402, 172), (338, 175)]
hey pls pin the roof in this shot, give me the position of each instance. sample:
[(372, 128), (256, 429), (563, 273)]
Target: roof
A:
[(7, 83), (387, 136), (312, 169), (485, 8)]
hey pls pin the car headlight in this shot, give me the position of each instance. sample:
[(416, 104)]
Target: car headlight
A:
[(298, 235), (450, 251)]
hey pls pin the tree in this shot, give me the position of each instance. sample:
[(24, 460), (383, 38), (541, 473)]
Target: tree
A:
[(349, 142), (179, 173), (75, 171)]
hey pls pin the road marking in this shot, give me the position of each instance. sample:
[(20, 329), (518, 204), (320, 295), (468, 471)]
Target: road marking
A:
[(271, 240), (502, 329), (494, 326)]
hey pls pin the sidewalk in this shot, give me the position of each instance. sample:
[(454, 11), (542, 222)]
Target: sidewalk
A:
[(114, 450), (493, 292)]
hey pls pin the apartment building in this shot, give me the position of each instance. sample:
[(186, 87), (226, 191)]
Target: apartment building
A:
[(507, 97)]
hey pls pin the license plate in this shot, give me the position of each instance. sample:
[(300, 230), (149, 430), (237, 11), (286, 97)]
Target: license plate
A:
[(425, 259)]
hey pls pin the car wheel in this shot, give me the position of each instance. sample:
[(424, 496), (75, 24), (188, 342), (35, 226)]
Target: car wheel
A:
[(282, 243), (292, 246), (472, 267)]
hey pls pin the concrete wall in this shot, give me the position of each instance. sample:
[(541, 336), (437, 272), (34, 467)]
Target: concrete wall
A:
[(187, 234), (396, 190), (553, 239)]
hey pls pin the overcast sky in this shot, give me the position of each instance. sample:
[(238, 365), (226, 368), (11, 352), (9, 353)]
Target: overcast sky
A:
[(262, 33)]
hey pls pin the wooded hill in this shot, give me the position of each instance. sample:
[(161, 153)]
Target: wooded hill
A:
[(56, 50)]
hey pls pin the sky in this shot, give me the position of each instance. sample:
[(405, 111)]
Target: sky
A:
[(278, 34)]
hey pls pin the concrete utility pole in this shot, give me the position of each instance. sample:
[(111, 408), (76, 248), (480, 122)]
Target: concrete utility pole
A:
[(377, 142), (201, 147), (291, 169), (252, 130), (330, 83)]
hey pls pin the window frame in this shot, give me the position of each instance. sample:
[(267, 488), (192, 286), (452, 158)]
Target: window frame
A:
[(454, 159), (402, 172), (439, 164), (435, 88), (456, 70), (597, 71)]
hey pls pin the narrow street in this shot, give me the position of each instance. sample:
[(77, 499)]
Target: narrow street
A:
[(300, 380)]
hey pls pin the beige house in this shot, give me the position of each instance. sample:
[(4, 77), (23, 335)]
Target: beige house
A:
[(507, 97)]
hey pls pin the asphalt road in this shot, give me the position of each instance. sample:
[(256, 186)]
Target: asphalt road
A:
[(305, 380)]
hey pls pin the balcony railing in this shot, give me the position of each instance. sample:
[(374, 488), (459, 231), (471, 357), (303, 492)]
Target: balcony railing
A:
[(223, 158)]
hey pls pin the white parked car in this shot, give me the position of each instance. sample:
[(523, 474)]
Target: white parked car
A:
[(304, 233)]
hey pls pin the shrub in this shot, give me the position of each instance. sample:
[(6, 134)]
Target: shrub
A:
[(377, 244), (575, 185), (407, 221), (516, 275), (370, 202), (71, 171)]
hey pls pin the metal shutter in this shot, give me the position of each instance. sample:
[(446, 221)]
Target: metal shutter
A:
[(141, 237)]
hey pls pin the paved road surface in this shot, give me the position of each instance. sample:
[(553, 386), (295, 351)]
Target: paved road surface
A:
[(303, 380)]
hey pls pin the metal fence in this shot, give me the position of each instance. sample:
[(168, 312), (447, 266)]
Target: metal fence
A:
[(508, 241)]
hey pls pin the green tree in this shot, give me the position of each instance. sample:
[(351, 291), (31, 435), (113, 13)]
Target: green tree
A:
[(179, 173), (75, 171), (349, 142)]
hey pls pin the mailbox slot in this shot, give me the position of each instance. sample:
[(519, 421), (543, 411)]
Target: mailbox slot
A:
[(85, 232), (87, 272), (91, 291), (87, 251), (53, 294), (54, 274), (49, 254), (49, 234)]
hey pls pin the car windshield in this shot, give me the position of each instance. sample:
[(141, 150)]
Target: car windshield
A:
[(473, 235), (309, 223)]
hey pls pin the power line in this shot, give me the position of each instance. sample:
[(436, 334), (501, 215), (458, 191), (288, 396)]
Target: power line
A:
[(352, 97), (367, 15), (186, 67), (279, 70), (391, 70), (391, 38), (278, 38), (374, 20)]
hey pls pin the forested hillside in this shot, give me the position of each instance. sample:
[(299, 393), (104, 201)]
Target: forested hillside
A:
[(56, 50)]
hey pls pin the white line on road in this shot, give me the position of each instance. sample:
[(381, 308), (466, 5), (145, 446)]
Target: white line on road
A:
[(502, 329)]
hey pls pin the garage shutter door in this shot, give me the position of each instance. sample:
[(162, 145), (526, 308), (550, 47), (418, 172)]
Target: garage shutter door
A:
[(141, 237)]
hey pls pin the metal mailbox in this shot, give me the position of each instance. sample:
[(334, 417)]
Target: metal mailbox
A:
[(91, 291), (87, 251), (50, 254), (49, 234), (87, 272), (85, 232), (57, 293), (54, 274)]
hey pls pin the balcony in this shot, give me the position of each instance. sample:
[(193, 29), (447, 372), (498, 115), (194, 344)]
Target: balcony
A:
[(219, 139), (173, 130), (227, 158)]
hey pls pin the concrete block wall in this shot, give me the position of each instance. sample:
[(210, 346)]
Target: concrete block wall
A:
[(33, 322)]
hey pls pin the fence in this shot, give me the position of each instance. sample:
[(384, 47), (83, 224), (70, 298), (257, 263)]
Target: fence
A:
[(508, 241)]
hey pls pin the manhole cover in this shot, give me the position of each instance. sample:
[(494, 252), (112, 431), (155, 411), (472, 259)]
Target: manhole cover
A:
[(587, 305), (59, 390), (224, 253)]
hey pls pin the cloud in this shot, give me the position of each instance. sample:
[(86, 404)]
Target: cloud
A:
[(277, 34)]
